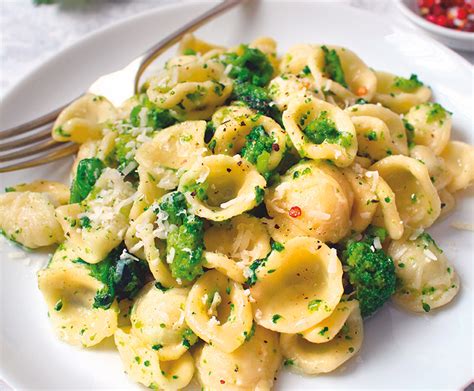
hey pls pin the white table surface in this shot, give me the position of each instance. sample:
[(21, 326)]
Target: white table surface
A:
[(30, 34)]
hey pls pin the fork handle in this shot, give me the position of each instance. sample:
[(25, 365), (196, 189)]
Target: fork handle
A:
[(151, 54)]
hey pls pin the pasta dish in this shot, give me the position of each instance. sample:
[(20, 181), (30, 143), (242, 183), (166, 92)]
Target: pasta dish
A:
[(246, 211)]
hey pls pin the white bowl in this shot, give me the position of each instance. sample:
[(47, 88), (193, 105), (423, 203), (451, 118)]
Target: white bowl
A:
[(461, 40)]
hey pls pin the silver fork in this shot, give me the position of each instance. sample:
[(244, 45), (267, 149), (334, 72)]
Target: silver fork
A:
[(31, 144)]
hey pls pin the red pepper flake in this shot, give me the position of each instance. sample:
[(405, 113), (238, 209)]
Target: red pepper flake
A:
[(222, 381), (361, 91), (275, 147), (295, 211)]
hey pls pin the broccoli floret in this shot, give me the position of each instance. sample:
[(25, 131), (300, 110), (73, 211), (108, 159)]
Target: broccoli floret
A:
[(122, 274), (256, 98), (252, 66), (407, 85), (185, 244), (257, 148), (333, 67), (370, 271), (155, 118), (324, 129), (88, 171)]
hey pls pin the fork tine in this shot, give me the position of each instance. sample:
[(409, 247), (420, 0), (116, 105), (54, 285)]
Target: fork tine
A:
[(28, 139), (48, 156), (30, 125), (29, 150)]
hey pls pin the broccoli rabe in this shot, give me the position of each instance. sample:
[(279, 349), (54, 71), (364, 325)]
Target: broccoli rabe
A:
[(407, 85), (155, 117), (252, 66), (370, 271), (324, 129), (257, 148), (185, 243), (122, 274), (256, 98), (333, 67), (88, 171)]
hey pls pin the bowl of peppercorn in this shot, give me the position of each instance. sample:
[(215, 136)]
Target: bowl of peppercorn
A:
[(449, 21)]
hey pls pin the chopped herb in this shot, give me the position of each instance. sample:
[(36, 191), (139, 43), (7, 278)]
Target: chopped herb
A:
[(407, 85), (333, 67), (426, 307), (277, 246), (276, 318), (436, 113), (313, 305), (323, 331), (323, 129), (59, 305), (259, 194)]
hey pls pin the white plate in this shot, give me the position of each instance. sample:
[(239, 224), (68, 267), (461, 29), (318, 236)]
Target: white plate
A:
[(400, 350)]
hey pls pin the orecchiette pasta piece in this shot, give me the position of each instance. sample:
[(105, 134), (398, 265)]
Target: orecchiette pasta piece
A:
[(297, 287), (459, 159), (283, 90), (313, 199), (69, 292), (218, 311), (189, 44), (231, 133), (431, 126), (231, 186), (320, 130), (300, 56), (328, 329), (363, 188), (416, 198), (84, 119), (98, 224), (57, 192), (315, 358), (158, 320), (143, 365), (439, 173), (234, 244), (252, 366), (191, 86), (392, 94), (395, 141), (144, 238), (387, 214), (427, 280), (29, 218)]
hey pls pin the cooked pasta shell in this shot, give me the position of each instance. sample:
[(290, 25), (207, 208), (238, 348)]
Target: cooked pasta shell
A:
[(394, 98), (218, 311), (297, 287), (143, 365), (57, 192), (439, 173), (416, 198), (315, 358), (426, 279), (84, 119), (312, 199), (189, 43), (459, 159), (157, 318), (29, 219), (69, 292), (106, 208), (231, 184), (252, 366), (301, 113)]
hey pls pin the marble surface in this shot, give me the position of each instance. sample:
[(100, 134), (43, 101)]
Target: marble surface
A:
[(30, 34)]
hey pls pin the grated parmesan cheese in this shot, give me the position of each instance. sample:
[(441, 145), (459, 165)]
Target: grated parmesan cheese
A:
[(377, 243), (430, 255), (462, 226), (416, 233)]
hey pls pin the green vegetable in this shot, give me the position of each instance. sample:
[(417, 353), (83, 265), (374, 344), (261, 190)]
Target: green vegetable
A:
[(250, 334), (436, 113), (256, 98), (252, 279), (198, 190), (277, 246), (189, 52), (407, 85), (122, 274), (371, 272), (252, 66), (257, 148), (156, 118), (259, 194), (189, 338), (323, 129), (85, 222), (333, 67), (410, 133), (185, 244), (276, 318), (88, 171)]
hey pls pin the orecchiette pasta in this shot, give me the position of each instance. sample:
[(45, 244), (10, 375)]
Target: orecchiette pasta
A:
[(297, 287), (427, 280), (252, 366), (244, 208)]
